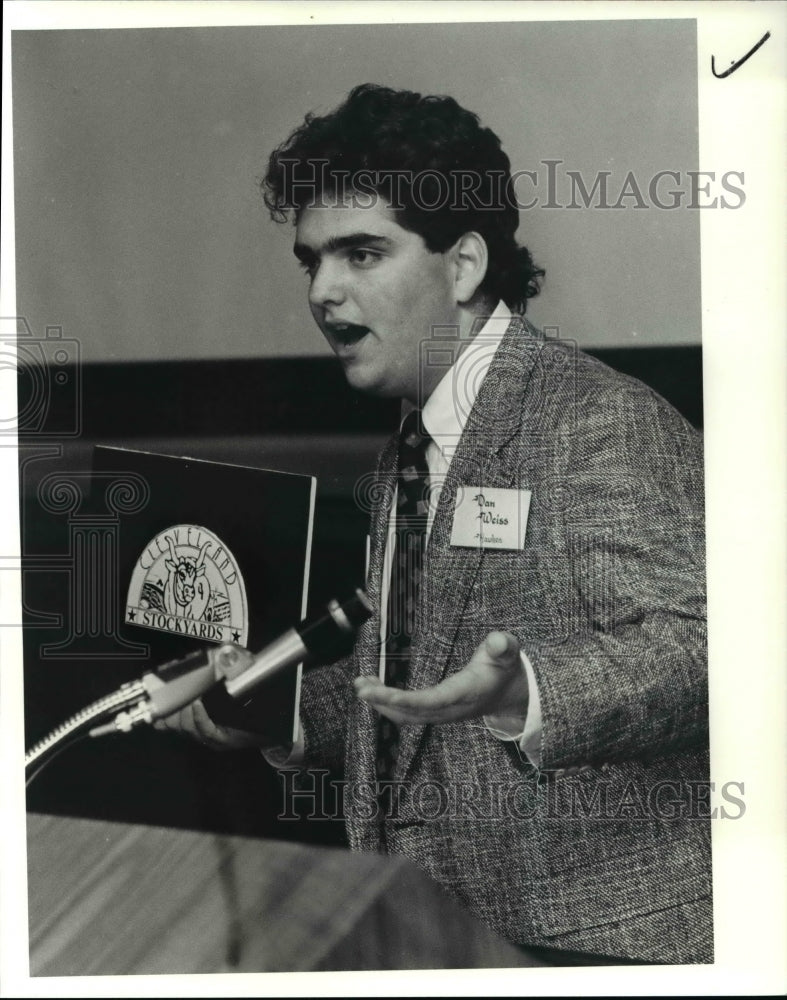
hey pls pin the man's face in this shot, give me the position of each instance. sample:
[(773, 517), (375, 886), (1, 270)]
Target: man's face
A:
[(376, 292)]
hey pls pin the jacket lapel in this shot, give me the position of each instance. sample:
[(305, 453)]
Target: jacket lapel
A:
[(488, 455), (377, 491)]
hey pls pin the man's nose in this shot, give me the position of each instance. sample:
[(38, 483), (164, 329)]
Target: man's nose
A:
[(327, 285)]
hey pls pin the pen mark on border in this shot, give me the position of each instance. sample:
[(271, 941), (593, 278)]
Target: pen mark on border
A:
[(740, 62)]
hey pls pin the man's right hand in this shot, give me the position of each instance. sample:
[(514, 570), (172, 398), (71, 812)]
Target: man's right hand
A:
[(194, 721)]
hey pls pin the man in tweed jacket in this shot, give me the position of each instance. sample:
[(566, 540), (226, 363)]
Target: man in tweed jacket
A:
[(600, 849), (553, 741)]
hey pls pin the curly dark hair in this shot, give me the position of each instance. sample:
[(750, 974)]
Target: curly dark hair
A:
[(429, 158)]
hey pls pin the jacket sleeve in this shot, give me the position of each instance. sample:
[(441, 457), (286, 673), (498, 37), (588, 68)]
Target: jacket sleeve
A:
[(326, 693), (324, 706), (629, 679)]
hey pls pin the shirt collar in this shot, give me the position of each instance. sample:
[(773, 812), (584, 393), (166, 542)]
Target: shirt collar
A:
[(446, 411)]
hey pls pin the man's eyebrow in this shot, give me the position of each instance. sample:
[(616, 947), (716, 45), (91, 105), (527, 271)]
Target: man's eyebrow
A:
[(348, 242)]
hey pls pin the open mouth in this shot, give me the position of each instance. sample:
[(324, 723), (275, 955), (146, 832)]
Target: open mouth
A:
[(347, 334)]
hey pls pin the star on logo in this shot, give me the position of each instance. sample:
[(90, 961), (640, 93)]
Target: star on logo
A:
[(236, 636), (132, 615)]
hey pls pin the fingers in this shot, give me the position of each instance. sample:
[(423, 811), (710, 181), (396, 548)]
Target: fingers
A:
[(185, 722), (206, 729), (179, 722), (502, 648), (443, 702), (194, 721), (480, 688)]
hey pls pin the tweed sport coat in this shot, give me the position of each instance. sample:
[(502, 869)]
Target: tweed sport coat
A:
[(605, 848)]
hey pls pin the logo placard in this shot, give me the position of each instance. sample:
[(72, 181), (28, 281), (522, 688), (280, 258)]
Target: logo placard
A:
[(189, 583)]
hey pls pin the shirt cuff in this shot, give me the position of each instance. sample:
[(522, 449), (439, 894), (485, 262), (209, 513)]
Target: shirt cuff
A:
[(290, 755), (526, 730)]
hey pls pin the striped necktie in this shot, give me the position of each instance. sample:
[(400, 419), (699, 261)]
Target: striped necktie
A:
[(412, 508)]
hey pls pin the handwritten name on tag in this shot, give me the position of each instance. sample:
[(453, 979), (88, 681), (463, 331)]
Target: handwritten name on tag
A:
[(490, 518)]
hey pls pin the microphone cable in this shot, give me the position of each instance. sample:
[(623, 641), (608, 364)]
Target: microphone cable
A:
[(77, 727)]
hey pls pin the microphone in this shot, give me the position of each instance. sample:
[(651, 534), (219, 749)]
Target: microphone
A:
[(322, 638), (232, 702), (229, 702)]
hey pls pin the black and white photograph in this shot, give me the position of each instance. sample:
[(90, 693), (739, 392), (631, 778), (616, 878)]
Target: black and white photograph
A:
[(393, 499)]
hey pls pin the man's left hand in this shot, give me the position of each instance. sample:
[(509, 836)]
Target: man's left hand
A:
[(493, 683)]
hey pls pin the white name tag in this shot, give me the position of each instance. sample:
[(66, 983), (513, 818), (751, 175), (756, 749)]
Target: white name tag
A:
[(490, 518)]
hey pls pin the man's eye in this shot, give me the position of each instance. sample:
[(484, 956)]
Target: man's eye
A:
[(364, 258), (308, 267)]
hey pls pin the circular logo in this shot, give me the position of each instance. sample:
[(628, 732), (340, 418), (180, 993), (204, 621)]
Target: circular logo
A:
[(188, 582)]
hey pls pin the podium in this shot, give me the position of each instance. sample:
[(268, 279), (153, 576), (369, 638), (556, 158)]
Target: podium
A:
[(116, 898)]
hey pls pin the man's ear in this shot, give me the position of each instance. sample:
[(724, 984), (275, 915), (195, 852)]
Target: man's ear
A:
[(471, 259)]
